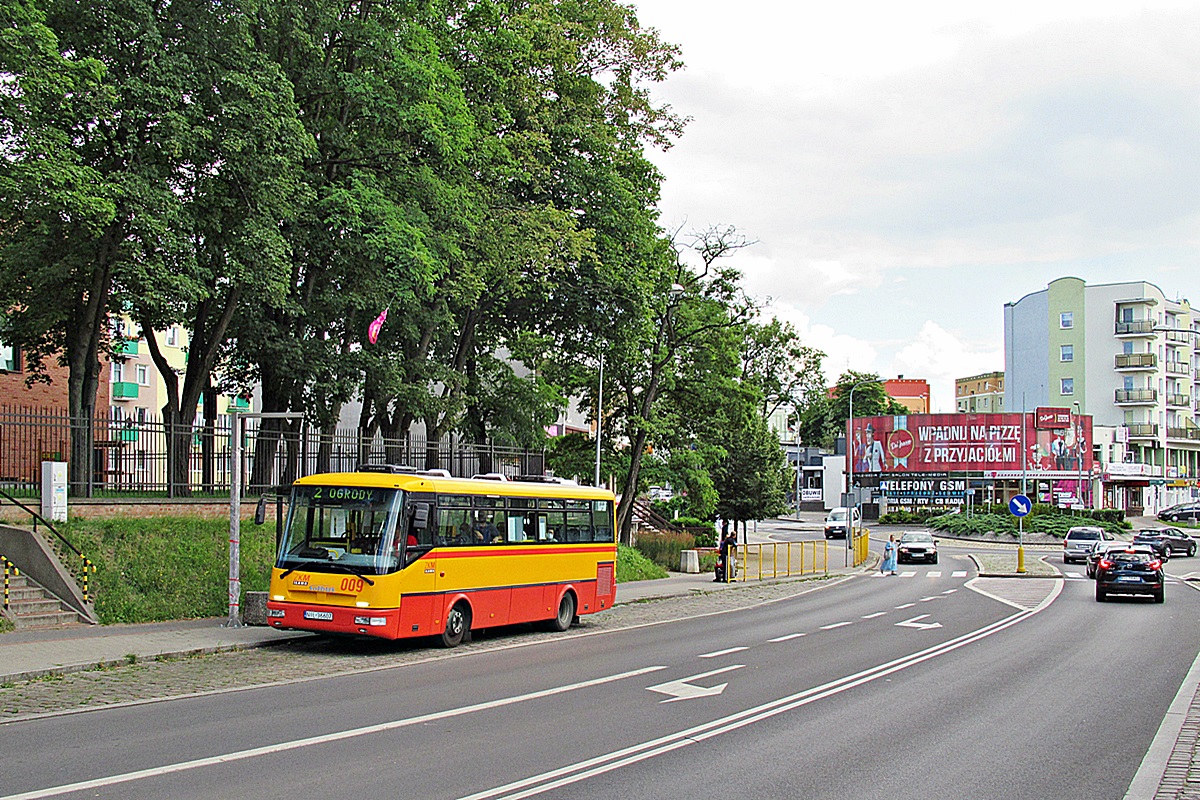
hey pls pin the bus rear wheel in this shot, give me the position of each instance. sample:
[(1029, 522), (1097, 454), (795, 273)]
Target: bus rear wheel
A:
[(566, 613), (458, 626)]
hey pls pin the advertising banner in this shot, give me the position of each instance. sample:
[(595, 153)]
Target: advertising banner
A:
[(995, 443)]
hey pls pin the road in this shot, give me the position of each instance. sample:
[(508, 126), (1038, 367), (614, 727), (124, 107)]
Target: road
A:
[(926, 686)]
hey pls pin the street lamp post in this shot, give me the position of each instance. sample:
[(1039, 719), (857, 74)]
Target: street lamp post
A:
[(850, 472)]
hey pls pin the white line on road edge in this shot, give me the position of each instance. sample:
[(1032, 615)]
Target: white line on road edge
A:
[(323, 739), (564, 776), (1154, 764)]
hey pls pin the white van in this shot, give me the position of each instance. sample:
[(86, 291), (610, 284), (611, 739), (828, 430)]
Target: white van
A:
[(837, 524)]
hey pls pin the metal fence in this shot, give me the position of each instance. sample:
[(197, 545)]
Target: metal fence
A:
[(133, 457)]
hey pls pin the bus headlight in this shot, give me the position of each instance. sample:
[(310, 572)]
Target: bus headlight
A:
[(372, 621)]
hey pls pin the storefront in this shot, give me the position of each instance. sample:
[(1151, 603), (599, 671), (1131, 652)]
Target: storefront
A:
[(944, 461)]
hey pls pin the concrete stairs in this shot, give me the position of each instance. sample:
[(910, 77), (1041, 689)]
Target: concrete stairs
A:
[(31, 606)]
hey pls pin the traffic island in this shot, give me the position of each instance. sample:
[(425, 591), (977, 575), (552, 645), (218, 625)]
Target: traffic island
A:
[(1004, 565)]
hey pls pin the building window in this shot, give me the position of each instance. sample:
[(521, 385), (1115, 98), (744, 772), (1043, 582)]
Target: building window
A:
[(117, 373), (1067, 386), (1066, 319), (1066, 352), (143, 375), (173, 336), (10, 358)]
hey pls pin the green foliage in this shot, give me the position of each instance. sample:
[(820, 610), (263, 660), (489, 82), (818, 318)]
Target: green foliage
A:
[(1049, 522), (664, 547), (750, 479), (908, 517), (6, 625), (633, 566), (163, 568)]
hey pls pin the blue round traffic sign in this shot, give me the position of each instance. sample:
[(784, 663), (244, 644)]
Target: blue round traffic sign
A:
[(1020, 505)]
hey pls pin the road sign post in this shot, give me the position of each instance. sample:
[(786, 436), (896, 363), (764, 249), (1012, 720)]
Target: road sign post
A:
[(1019, 506)]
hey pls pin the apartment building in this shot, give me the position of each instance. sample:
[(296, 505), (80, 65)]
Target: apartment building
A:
[(980, 394), (1129, 356)]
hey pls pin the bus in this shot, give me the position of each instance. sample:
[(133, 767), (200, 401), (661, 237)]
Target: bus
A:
[(395, 552)]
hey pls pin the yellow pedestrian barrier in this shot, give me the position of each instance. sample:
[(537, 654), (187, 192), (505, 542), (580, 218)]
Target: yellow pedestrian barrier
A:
[(782, 560)]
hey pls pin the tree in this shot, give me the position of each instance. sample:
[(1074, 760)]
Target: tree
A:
[(870, 400), (749, 479)]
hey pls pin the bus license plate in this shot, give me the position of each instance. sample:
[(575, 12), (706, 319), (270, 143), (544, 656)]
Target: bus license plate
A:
[(324, 615)]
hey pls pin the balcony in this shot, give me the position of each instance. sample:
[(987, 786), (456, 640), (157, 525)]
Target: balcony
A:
[(1184, 434), (126, 347), (1180, 368), (1142, 430), (1178, 400), (1136, 397), (124, 390), (1137, 327), (1183, 336), (239, 403), (1130, 362)]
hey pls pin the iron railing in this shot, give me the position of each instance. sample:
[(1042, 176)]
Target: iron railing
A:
[(127, 457)]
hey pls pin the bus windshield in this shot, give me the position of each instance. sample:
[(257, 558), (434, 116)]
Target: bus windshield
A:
[(342, 529)]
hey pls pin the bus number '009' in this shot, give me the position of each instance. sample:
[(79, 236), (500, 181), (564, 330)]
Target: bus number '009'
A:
[(352, 585)]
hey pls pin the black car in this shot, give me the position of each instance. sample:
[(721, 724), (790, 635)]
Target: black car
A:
[(1173, 540), (1093, 559), (1183, 511), (1129, 571)]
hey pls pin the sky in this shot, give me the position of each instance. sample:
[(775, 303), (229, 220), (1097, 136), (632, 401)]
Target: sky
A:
[(905, 169)]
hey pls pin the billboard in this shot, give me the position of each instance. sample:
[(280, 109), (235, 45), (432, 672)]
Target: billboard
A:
[(997, 444)]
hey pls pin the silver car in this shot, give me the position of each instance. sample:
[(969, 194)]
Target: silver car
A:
[(1081, 540)]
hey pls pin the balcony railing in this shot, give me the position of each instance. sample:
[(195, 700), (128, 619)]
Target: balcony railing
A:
[(1190, 434), (124, 390), (1178, 400), (1142, 430), (1136, 360), (1137, 327), (1137, 396), (1177, 367), (1179, 336)]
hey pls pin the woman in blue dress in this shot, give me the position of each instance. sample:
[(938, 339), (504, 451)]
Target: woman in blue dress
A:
[(888, 565)]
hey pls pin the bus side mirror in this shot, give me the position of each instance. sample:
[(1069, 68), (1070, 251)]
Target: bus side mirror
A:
[(420, 517), (260, 511)]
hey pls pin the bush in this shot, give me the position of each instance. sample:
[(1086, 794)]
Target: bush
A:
[(1052, 523), (705, 533), (663, 548), (633, 566), (908, 517)]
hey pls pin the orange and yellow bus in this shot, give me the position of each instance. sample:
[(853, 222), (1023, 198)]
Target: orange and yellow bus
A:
[(394, 552)]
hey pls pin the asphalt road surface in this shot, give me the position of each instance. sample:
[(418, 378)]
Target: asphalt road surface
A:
[(932, 684)]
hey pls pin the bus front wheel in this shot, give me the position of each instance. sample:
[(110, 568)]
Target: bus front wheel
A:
[(458, 626), (566, 613)]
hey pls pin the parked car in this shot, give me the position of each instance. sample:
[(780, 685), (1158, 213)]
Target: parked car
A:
[(917, 546), (1093, 559), (661, 494), (837, 524), (1183, 511), (1168, 541), (1129, 571), (1081, 540)]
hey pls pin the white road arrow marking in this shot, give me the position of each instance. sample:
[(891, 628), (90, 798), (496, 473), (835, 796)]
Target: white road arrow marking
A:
[(915, 622), (682, 690)]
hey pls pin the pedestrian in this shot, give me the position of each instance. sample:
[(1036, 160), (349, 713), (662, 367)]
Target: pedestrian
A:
[(888, 565)]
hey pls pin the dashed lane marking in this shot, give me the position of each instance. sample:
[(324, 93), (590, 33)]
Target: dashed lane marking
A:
[(876, 614), (724, 652), (835, 625), (789, 636)]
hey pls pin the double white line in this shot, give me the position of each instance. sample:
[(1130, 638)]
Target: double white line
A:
[(617, 759)]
